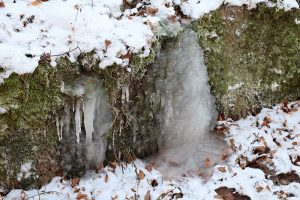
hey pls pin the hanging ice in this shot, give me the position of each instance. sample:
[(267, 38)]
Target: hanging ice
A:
[(86, 118)]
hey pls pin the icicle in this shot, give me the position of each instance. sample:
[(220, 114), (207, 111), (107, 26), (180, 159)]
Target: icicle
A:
[(67, 118), (78, 121), (58, 128), (61, 124), (89, 113)]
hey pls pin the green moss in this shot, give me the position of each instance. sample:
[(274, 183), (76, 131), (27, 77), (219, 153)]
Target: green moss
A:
[(257, 50), (28, 131)]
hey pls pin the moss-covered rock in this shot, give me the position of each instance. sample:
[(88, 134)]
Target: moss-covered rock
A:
[(253, 56), (28, 132)]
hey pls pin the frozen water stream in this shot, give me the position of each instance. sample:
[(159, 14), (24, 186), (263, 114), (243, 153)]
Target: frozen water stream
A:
[(188, 111), (185, 118)]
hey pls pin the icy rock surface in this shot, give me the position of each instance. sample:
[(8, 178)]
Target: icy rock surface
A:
[(188, 111)]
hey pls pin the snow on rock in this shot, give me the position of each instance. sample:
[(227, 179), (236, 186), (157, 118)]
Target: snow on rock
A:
[(272, 138), (31, 28), (55, 27)]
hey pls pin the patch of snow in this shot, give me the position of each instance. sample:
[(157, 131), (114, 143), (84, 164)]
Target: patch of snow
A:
[(74, 26), (2, 110), (139, 180), (234, 87), (274, 86), (25, 171)]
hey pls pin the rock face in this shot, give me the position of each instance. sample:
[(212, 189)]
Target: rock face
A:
[(252, 59), (252, 56), (28, 140)]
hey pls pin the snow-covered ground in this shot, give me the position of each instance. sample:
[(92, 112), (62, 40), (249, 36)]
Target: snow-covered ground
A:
[(31, 28), (270, 139)]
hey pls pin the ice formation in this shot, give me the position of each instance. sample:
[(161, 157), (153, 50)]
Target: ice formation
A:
[(188, 109), (83, 122)]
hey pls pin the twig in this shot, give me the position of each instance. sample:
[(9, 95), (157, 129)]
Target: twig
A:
[(65, 52), (42, 193)]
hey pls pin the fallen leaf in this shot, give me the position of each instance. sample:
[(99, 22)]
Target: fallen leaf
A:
[(36, 2), (266, 121), (261, 150), (107, 43), (81, 197), (147, 196), (112, 164), (133, 190), (259, 188), (222, 169), (75, 181), (2, 5), (140, 175), (76, 190), (154, 183), (152, 10)]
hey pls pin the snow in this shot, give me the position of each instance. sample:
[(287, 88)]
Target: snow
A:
[(25, 171), (136, 180), (2, 110), (28, 31), (56, 27)]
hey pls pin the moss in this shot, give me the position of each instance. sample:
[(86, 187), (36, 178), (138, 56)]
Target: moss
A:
[(28, 130), (252, 56)]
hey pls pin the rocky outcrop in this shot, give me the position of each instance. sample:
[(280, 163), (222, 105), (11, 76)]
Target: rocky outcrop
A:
[(252, 56)]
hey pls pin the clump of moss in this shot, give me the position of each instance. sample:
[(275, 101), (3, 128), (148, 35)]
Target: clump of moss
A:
[(28, 131), (252, 56)]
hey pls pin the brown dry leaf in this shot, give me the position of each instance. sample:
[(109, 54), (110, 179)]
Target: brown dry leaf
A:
[(76, 190), (112, 164), (222, 169), (266, 121), (127, 56), (259, 188), (147, 196), (36, 2), (2, 5), (106, 178), (75, 181), (107, 43), (293, 110), (294, 143), (140, 175), (152, 10), (81, 197), (221, 129), (172, 18), (133, 190), (261, 150), (207, 162)]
